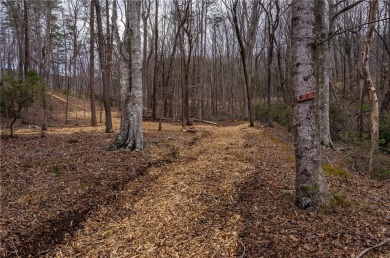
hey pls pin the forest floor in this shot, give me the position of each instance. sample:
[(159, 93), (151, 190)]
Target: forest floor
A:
[(221, 191)]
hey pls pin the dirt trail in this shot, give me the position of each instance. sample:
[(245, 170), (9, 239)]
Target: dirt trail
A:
[(229, 192), (224, 191), (186, 208)]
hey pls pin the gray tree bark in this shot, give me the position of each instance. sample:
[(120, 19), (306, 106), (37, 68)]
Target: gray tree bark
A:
[(26, 57), (246, 51), (311, 188), (273, 23), (92, 65), (131, 133), (104, 67), (146, 6), (155, 67), (323, 70), (367, 83), (47, 73)]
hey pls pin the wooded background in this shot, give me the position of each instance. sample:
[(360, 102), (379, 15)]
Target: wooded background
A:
[(212, 60)]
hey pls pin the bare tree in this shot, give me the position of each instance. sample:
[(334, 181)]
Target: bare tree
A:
[(130, 135), (323, 70), (26, 57), (366, 82), (155, 67), (272, 25), (145, 14), (180, 21), (325, 17), (186, 57), (47, 60), (26, 38), (104, 68), (311, 189), (92, 64), (246, 44)]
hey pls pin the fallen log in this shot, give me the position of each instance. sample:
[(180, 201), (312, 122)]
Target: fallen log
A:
[(206, 122)]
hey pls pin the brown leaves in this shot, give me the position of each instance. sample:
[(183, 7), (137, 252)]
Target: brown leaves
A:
[(222, 191)]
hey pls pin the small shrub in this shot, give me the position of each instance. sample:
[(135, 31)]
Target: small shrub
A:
[(340, 200), (26, 165), (348, 135), (334, 171), (261, 112), (281, 113), (381, 173), (65, 91), (57, 170), (18, 93), (338, 121), (384, 134)]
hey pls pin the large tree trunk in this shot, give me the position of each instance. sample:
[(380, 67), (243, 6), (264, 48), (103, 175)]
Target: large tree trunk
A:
[(311, 189), (367, 83), (92, 65), (131, 134)]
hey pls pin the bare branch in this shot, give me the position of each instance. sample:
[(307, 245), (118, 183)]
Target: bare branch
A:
[(373, 247), (346, 9), (349, 29)]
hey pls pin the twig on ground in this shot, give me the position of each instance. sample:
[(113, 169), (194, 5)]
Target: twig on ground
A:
[(243, 246), (330, 162), (373, 247), (16, 250)]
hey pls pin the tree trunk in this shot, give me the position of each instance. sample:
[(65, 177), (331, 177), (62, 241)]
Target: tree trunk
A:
[(92, 65), (311, 189), (145, 59), (244, 57), (168, 98), (323, 70), (47, 59), (108, 48), (155, 68), (131, 134), (74, 61), (26, 63), (26, 38), (186, 65), (104, 68), (368, 84), (273, 23), (269, 79)]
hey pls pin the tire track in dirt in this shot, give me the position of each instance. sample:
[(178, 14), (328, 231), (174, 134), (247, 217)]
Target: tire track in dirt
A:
[(186, 208)]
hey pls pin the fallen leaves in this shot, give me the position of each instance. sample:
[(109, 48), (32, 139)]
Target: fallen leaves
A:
[(221, 191)]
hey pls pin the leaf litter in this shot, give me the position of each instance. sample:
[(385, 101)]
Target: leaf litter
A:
[(222, 191)]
